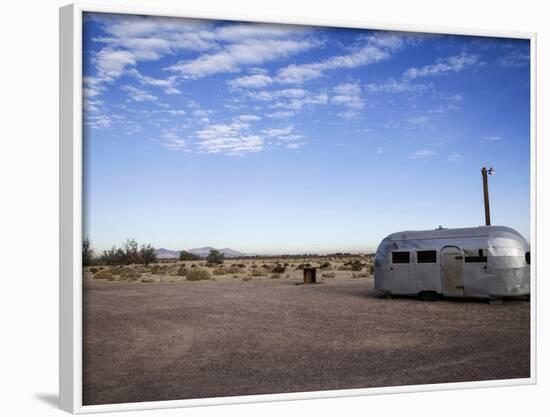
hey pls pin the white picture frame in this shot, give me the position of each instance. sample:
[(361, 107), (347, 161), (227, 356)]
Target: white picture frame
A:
[(70, 153)]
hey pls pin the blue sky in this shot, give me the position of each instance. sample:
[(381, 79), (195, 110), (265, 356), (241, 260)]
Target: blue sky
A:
[(288, 139)]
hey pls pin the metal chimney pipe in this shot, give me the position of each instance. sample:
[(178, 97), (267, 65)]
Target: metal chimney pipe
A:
[(486, 195)]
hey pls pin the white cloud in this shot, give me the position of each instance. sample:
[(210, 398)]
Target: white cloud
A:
[(138, 94), (348, 95), (514, 60), (444, 66), (419, 120), (454, 157), (248, 118), (176, 112), (423, 153), (233, 56), (173, 142), (379, 151), (275, 132), (232, 139), (394, 86), (98, 121), (295, 145), (280, 114), (493, 138), (167, 85), (111, 63), (251, 81), (375, 48)]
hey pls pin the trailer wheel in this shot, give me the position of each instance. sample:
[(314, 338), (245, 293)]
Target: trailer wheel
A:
[(427, 296)]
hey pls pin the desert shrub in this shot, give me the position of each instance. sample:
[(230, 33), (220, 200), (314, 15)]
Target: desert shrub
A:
[(198, 275), (266, 266), (279, 269), (87, 253), (235, 269), (182, 271), (328, 275), (103, 275), (256, 273), (325, 265), (94, 270), (159, 269), (193, 266), (253, 266), (360, 275), (146, 255), (247, 278), (188, 256), (215, 257), (302, 266), (355, 265), (116, 270), (275, 275), (130, 275), (147, 279), (221, 271)]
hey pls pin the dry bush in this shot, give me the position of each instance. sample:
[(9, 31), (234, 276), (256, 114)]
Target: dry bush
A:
[(130, 275), (256, 273), (94, 270), (182, 271), (360, 275), (198, 275), (221, 271), (147, 279), (279, 269), (275, 275), (328, 275), (247, 278), (116, 270), (104, 275), (326, 265), (236, 269)]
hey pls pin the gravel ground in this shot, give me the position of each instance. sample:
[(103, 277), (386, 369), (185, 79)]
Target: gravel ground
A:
[(166, 341)]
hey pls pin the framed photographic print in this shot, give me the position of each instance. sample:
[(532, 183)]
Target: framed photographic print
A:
[(260, 210)]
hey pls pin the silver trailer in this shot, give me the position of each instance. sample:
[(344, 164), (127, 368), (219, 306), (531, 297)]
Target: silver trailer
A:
[(483, 262)]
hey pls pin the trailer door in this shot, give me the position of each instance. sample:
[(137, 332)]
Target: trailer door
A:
[(452, 275)]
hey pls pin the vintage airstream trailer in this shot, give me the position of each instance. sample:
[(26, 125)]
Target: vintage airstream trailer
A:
[(484, 262)]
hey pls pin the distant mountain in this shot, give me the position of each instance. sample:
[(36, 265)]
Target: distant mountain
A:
[(228, 253), (167, 254), (202, 252)]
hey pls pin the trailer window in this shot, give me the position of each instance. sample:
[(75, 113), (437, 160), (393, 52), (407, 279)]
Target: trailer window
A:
[(475, 256), (426, 256), (528, 257), (401, 257)]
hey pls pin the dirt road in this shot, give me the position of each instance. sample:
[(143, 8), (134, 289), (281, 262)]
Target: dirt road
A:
[(165, 341)]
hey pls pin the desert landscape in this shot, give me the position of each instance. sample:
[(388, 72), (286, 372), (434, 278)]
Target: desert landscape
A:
[(189, 329)]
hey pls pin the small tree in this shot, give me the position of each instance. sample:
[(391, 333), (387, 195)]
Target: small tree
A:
[(130, 251), (188, 256), (215, 257), (87, 253), (147, 254)]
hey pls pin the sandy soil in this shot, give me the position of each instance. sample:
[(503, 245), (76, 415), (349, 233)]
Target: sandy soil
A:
[(163, 341)]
